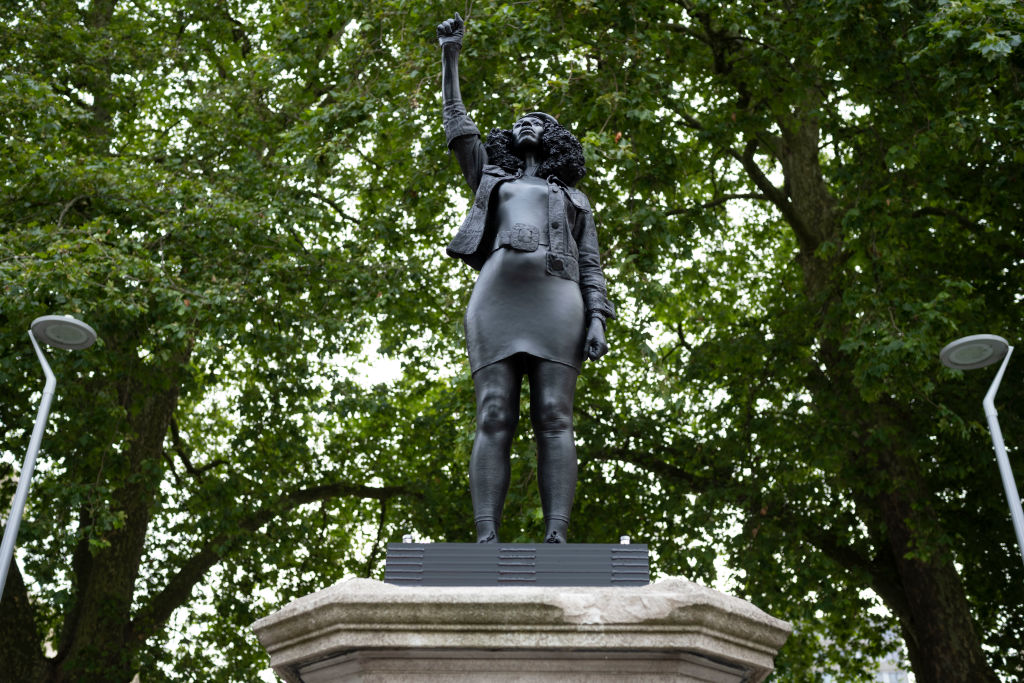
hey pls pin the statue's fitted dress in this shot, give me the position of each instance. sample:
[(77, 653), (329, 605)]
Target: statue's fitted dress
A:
[(516, 307)]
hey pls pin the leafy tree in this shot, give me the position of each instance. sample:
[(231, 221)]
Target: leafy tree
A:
[(168, 177), (799, 204)]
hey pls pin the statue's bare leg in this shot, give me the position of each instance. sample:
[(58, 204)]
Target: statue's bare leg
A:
[(552, 388), (497, 414)]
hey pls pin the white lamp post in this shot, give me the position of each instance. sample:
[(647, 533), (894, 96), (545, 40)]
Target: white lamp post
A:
[(64, 332), (978, 351)]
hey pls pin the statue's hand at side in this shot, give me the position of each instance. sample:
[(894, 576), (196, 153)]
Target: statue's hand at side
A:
[(595, 346), (451, 31)]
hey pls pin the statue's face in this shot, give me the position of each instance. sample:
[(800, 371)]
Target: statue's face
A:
[(527, 133)]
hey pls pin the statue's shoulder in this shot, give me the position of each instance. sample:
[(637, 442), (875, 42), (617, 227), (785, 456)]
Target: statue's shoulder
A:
[(494, 170), (578, 198)]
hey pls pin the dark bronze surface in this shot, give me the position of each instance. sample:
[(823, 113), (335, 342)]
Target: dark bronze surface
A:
[(539, 305)]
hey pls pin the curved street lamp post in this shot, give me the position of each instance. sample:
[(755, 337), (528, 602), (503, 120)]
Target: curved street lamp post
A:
[(64, 332), (978, 351)]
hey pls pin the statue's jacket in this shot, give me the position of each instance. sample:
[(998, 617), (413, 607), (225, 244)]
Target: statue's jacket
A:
[(572, 235)]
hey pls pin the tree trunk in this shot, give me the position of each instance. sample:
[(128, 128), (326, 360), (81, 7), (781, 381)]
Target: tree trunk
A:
[(927, 596), (19, 634), (935, 618), (92, 645)]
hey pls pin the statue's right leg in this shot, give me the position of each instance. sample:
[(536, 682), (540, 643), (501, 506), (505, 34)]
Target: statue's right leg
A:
[(497, 413)]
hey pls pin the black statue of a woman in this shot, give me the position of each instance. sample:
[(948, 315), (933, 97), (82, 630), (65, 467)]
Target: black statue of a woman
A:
[(539, 304)]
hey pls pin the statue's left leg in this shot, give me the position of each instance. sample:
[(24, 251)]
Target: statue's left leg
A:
[(552, 388)]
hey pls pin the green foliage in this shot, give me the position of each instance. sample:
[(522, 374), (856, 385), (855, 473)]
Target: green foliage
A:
[(799, 204)]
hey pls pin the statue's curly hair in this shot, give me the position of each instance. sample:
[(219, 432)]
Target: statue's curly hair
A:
[(561, 155)]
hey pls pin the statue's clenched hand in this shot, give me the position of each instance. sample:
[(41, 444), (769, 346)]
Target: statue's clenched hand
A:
[(595, 346), (451, 31)]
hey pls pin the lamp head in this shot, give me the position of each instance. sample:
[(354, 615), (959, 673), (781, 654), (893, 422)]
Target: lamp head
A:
[(975, 351), (63, 331)]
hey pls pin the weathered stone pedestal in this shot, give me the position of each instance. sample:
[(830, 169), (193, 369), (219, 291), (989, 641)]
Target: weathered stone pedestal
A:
[(671, 630)]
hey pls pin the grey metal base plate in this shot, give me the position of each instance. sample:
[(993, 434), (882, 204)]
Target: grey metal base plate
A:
[(505, 564)]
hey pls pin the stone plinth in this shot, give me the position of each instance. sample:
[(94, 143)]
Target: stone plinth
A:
[(671, 630)]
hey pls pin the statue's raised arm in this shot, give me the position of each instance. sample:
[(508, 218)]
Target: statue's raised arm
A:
[(449, 35), (462, 134)]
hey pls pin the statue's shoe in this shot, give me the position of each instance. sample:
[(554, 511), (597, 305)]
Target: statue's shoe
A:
[(554, 537)]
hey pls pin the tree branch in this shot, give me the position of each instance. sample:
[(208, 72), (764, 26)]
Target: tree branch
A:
[(964, 221), (680, 344), (67, 207), (182, 451), (690, 120), (334, 205), (685, 30), (237, 32), (647, 462), (774, 194), (179, 588), (884, 577), (718, 201)]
